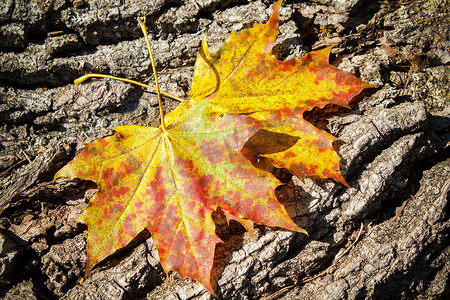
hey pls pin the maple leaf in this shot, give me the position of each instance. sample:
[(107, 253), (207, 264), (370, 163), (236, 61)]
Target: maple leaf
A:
[(244, 77), (170, 179), (170, 182)]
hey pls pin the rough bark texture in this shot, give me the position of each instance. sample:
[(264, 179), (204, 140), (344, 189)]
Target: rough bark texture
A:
[(385, 237)]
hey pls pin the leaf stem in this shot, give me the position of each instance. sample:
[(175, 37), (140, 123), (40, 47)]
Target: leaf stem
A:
[(81, 79), (141, 22)]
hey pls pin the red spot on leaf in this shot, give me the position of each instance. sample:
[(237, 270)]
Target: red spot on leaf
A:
[(127, 224), (109, 178), (115, 208), (102, 142), (117, 193)]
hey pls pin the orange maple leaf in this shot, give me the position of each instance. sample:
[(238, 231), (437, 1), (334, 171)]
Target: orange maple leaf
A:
[(170, 182), (244, 77)]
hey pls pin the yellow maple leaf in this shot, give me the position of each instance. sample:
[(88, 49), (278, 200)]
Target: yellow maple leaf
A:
[(245, 77), (169, 182)]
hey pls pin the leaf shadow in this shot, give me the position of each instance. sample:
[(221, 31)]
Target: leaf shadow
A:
[(232, 234), (267, 142), (234, 239)]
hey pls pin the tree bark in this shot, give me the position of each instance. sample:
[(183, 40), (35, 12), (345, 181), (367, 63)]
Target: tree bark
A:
[(384, 237)]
